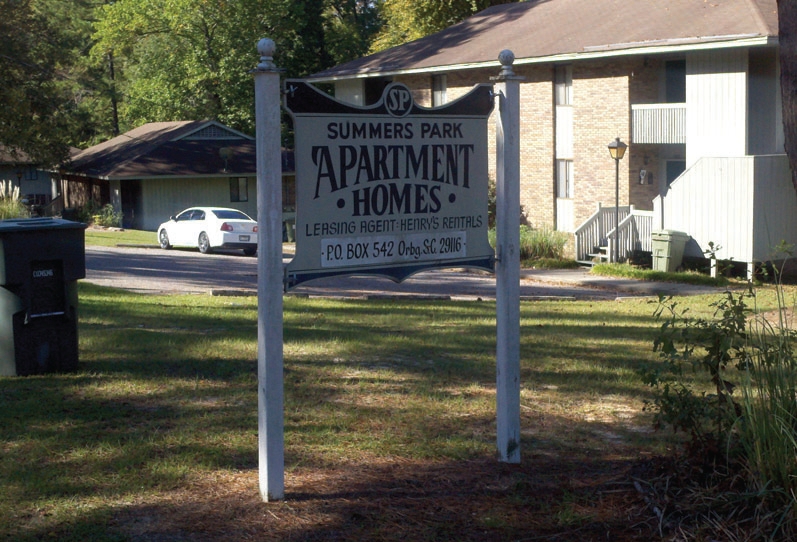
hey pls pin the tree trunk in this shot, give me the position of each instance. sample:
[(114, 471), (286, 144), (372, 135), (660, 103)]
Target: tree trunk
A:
[(787, 36)]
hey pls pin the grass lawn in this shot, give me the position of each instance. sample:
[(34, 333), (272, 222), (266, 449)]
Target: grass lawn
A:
[(111, 237), (389, 424)]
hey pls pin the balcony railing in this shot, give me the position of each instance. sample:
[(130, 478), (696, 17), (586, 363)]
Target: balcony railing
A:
[(658, 123)]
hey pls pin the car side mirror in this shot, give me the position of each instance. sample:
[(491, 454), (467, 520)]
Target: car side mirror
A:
[(172, 218)]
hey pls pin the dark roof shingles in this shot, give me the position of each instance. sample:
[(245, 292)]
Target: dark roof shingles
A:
[(545, 28), (154, 150)]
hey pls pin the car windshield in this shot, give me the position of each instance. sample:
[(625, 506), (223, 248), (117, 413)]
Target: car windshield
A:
[(230, 215)]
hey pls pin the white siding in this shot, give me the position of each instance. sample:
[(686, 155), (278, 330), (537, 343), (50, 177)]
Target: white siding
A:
[(746, 205), (716, 104), (565, 220), (658, 123), (564, 132), (565, 213), (765, 132), (775, 206)]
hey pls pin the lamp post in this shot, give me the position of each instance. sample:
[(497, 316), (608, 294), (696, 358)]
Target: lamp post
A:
[(617, 151)]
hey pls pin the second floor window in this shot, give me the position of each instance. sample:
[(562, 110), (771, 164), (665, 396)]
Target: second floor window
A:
[(675, 81), (563, 85)]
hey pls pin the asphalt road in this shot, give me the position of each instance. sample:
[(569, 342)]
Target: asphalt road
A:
[(152, 270)]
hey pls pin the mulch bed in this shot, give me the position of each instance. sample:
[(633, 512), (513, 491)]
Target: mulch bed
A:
[(543, 498)]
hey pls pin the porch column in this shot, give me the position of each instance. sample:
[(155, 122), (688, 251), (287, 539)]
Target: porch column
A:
[(116, 195)]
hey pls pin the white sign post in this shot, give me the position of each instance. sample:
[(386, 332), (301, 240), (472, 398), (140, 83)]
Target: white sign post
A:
[(507, 269), (385, 192), (270, 424)]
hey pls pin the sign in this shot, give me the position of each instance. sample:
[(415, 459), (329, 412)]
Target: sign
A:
[(389, 189)]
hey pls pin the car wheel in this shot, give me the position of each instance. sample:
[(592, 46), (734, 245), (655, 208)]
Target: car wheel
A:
[(163, 239), (250, 251), (204, 243)]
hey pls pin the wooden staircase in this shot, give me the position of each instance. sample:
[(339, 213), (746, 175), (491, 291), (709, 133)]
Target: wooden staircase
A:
[(596, 255), (594, 238)]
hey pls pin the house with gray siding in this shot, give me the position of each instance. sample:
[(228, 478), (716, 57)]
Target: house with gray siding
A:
[(158, 169), (36, 184), (691, 86)]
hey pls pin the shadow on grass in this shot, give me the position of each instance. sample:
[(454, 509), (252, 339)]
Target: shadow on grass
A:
[(549, 498), (166, 398)]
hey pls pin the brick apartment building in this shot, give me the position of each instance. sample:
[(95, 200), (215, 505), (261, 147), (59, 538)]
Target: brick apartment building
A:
[(692, 88)]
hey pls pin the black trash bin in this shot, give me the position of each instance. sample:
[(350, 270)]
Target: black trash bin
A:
[(41, 260)]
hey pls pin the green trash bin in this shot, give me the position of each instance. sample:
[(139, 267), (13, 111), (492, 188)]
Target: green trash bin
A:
[(668, 249), (41, 260)]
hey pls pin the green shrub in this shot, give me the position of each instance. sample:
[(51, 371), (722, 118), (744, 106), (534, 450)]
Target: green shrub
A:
[(743, 428), (688, 345), (106, 216)]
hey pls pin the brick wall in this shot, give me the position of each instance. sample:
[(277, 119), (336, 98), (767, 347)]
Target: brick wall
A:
[(602, 94)]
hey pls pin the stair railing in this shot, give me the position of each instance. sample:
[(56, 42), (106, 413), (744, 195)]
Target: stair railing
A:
[(634, 233)]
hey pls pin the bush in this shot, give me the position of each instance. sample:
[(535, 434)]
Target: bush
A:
[(714, 346), (743, 432), (105, 216), (108, 217)]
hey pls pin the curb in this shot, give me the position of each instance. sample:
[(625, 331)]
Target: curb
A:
[(133, 245)]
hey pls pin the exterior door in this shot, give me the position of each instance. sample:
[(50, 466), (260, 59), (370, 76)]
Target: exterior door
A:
[(131, 204)]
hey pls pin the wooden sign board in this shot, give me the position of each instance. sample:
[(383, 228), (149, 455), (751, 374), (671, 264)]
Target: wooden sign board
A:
[(388, 189)]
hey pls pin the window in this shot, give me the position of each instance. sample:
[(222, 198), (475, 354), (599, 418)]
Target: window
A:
[(563, 85), (564, 179), (229, 214), (439, 85), (239, 189), (31, 174)]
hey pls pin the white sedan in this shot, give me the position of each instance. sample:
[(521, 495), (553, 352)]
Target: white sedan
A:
[(209, 227)]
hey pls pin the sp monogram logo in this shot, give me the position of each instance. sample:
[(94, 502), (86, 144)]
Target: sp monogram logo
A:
[(398, 100)]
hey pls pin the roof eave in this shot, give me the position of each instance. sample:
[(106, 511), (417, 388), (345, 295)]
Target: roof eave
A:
[(599, 52)]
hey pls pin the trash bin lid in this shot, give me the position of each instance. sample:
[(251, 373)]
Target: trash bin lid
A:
[(14, 225), (666, 234)]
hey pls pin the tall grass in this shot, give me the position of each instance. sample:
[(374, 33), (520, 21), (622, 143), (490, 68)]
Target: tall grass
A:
[(768, 425), (10, 204), (538, 244)]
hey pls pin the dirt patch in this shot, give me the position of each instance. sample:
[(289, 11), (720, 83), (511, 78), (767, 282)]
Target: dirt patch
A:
[(778, 317)]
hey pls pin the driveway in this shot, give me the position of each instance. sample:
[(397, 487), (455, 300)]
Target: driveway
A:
[(150, 270)]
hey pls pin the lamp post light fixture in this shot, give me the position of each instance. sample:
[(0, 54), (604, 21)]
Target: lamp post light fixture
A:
[(617, 151)]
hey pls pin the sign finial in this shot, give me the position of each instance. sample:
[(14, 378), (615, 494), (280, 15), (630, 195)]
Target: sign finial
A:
[(506, 58), (266, 48)]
